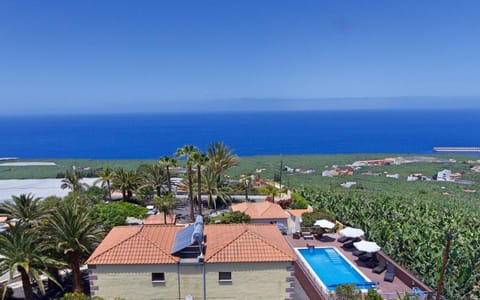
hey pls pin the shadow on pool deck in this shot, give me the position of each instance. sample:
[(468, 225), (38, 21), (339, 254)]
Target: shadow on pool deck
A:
[(402, 283)]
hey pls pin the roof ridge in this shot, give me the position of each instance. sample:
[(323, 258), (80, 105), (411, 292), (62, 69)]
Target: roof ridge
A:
[(138, 233), (259, 236), (227, 244), (270, 207), (152, 242), (268, 243), (115, 245)]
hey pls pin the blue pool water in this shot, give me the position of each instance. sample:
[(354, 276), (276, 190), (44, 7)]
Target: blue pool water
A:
[(332, 269)]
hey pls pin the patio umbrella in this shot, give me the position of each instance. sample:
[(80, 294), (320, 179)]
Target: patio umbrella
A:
[(324, 224), (365, 246), (352, 232)]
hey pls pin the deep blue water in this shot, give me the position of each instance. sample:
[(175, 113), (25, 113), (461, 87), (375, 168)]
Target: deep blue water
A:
[(259, 133)]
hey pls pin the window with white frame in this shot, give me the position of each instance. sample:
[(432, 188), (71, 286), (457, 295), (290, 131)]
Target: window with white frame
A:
[(224, 276)]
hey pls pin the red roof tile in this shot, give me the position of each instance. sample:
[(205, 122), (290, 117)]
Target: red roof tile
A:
[(299, 212), (136, 245), (151, 244), (262, 210)]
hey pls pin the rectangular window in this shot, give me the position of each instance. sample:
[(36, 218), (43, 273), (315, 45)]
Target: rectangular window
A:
[(224, 276), (158, 277)]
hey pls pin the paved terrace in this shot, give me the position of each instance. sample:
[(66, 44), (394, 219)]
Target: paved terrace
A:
[(402, 283)]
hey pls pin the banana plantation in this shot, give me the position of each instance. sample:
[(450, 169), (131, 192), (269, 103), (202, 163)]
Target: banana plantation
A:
[(414, 233)]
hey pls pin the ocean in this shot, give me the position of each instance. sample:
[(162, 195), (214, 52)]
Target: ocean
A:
[(150, 136)]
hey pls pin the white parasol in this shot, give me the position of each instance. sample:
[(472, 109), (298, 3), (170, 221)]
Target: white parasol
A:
[(365, 246), (352, 232), (324, 224)]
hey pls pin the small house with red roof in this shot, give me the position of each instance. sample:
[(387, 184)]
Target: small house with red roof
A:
[(224, 261), (263, 212)]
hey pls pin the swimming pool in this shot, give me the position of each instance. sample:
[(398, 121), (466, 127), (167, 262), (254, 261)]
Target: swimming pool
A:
[(332, 269)]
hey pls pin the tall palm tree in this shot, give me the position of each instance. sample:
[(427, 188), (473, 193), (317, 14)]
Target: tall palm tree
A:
[(186, 151), (75, 234), (24, 207), (154, 176), (221, 157), (198, 160), (165, 204), (168, 162), (22, 250), (106, 175), (73, 182)]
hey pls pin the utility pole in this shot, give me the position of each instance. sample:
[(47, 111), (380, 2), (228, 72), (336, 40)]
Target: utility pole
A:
[(444, 265)]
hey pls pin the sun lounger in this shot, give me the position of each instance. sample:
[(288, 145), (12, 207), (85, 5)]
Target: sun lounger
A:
[(348, 246), (372, 263), (390, 275), (366, 257), (358, 253), (343, 239), (381, 267), (308, 237)]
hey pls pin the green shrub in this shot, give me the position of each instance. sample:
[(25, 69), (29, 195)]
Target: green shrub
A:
[(347, 292), (298, 202), (115, 213), (372, 294), (231, 217), (78, 296), (308, 219)]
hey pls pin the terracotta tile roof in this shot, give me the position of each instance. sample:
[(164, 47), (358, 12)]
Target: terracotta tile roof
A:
[(299, 212), (151, 244), (160, 220), (246, 243), (262, 210), (148, 244)]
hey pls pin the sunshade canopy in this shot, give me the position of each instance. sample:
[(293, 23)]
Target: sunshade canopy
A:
[(324, 224), (352, 232), (365, 246)]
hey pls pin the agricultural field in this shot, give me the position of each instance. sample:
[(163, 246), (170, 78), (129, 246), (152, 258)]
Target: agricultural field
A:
[(442, 194), (409, 219)]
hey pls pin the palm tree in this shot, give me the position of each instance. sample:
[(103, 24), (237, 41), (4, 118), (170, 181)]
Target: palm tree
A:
[(74, 234), (214, 186), (246, 182), (198, 160), (126, 181), (168, 162), (165, 204), (106, 175), (155, 176), (221, 157), (22, 250), (186, 151), (270, 190), (72, 181), (24, 207)]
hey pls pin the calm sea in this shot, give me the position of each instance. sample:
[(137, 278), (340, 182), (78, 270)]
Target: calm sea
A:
[(259, 133)]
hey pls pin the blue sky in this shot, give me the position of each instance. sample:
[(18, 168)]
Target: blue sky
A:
[(154, 56)]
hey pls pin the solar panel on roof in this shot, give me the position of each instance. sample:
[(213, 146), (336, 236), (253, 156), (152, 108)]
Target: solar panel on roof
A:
[(183, 239)]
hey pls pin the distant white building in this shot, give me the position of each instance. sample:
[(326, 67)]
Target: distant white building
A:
[(444, 175), (327, 173), (396, 176)]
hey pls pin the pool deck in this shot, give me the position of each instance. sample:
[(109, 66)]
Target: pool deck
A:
[(330, 240)]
